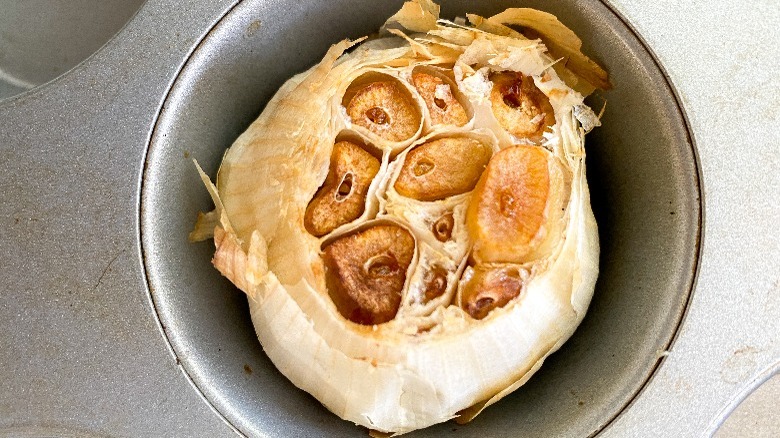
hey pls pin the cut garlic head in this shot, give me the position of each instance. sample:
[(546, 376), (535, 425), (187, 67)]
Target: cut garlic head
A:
[(411, 221)]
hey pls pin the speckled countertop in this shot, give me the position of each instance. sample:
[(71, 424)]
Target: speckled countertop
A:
[(73, 284)]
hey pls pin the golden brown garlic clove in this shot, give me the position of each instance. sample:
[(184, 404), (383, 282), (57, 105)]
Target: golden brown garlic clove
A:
[(443, 107), (519, 106), (383, 108), (441, 168), (507, 208), (342, 197), (365, 272), (490, 288)]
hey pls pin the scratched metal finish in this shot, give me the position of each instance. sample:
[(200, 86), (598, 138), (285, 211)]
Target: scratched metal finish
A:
[(81, 349), (40, 39)]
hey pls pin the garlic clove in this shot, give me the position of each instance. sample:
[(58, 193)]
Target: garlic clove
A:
[(442, 168), (507, 210), (443, 107), (519, 106), (442, 228), (342, 197), (490, 288), (366, 272), (383, 108)]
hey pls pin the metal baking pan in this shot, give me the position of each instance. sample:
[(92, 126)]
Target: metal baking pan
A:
[(114, 324)]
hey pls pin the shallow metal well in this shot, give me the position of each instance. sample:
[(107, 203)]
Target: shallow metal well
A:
[(644, 179)]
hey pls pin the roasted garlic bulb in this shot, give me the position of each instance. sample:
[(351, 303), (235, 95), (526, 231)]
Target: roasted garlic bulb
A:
[(410, 220)]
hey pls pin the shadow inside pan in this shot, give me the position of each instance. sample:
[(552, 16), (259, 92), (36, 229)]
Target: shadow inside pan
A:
[(644, 183)]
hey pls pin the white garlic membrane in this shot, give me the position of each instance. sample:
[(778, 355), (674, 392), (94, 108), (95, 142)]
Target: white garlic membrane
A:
[(432, 362)]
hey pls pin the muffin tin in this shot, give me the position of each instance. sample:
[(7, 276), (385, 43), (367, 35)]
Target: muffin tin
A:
[(102, 193)]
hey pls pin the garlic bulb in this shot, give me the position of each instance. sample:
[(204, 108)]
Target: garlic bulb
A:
[(410, 220)]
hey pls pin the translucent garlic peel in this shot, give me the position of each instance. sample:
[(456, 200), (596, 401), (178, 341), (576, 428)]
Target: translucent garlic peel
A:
[(395, 377)]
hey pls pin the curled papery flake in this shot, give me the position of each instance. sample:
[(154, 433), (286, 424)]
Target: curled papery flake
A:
[(477, 86), (442, 92), (480, 52), (586, 117), (524, 59)]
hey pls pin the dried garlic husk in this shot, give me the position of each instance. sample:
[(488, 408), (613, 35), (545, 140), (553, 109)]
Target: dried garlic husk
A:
[(410, 220)]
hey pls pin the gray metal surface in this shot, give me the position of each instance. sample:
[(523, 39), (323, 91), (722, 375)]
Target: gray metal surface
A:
[(81, 349), (723, 58), (757, 415), (42, 39)]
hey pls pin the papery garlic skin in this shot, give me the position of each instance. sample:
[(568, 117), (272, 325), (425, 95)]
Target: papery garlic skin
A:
[(432, 362)]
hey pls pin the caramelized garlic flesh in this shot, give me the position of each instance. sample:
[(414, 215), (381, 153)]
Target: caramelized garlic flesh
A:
[(442, 168), (342, 197), (519, 106), (403, 213), (490, 288), (443, 107), (366, 271), (507, 210), (384, 109)]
